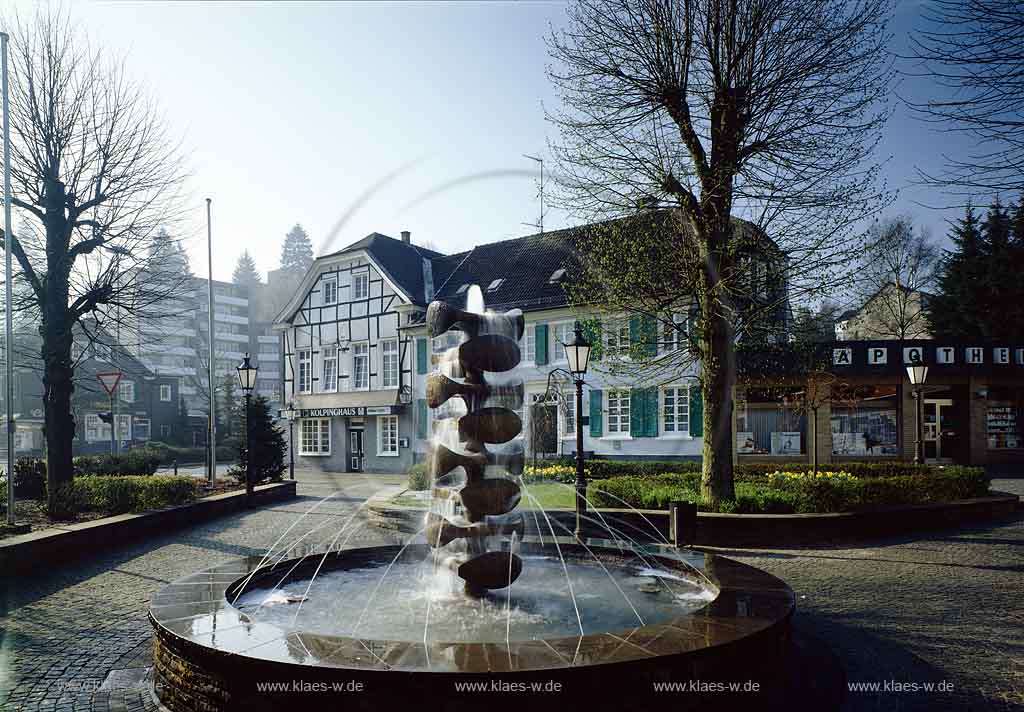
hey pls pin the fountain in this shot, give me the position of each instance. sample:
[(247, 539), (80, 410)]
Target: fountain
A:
[(471, 608)]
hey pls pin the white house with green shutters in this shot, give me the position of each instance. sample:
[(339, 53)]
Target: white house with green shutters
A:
[(623, 416)]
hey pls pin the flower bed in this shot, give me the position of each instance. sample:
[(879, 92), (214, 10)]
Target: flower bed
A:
[(797, 490)]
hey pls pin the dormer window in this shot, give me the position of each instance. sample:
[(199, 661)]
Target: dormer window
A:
[(557, 276), (496, 284), (462, 288)]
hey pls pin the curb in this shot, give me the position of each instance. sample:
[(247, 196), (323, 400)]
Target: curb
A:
[(750, 530), (55, 545)]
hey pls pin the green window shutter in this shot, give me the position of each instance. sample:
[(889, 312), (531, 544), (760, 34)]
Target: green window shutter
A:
[(635, 331), (652, 413), (649, 329), (637, 411), (421, 418), (696, 411), (421, 356), (541, 348), (596, 421), (592, 333)]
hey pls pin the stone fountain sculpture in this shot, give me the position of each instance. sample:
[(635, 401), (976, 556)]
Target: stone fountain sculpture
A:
[(489, 344)]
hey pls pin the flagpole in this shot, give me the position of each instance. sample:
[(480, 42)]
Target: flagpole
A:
[(8, 307), (213, 401)]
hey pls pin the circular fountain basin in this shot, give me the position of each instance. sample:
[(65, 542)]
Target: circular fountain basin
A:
[(383, 627)]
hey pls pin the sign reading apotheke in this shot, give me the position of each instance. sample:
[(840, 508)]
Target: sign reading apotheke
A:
[(349, 412), (877, 355)]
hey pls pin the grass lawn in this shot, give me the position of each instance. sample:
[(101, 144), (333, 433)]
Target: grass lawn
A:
[(549, 495)]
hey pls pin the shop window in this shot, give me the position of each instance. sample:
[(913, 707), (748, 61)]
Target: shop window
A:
[(1004, 418), (767, 425), (387, 435), (315, 436), (866, 423)]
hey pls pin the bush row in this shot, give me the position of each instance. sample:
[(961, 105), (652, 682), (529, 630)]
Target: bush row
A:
[(603, 469), (169, 454), (120, 494), (794, 494)]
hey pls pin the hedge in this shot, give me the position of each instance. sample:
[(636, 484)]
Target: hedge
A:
[(120, 494), (169, 454), (797, 494), (604, 469), (132, 462)]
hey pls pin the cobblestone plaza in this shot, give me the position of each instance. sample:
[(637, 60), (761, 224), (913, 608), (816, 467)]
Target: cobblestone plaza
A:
[(942, 608)]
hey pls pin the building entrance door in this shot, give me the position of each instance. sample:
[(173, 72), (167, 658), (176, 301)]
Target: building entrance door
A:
[(355, 450), (940, 435)]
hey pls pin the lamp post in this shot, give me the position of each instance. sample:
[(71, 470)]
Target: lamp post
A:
[(917, 373), (577, 354), (247, 380), (289, 414)]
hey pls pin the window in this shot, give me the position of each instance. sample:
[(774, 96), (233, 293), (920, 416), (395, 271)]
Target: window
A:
[(389, 363), (618, 411), (765, 425), (95, 429), (141, 426), (462, 288), (330, 290), (101, 352), (673, 335), (495, 285), (617, 336), (361, 366), (124, 426), (305, 371), (361, 285), (528, 344), (165, 393), (1004, 418), (866, 423), (268, 348), (315, 436), (563, 334), (387, 435), (165, 432), (569, 414), (675, 411), (126, 391), (330, 381)]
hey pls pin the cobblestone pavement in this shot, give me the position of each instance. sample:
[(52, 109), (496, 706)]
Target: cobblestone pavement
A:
[(946, 607)]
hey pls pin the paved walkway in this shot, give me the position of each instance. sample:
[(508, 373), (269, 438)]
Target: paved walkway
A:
[(945, 608)]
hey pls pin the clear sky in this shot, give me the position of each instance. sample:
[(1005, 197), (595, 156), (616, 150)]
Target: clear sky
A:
[(291, 112)]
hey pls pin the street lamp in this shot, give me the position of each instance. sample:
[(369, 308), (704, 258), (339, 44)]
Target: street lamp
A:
[(290, 414), (247, 380), (918, 372), (577, 354)]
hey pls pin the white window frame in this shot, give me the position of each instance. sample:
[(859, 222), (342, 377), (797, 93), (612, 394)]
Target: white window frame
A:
[(165, 431), (329, 289), (679, 397), (96, 431), (617, 405), (329, 379), (165, 388), (126, 391), (388, 422), (124, 426), (304, 375), (616, 337), (363, 346), (360, 285), (529, 356), (318, 442), (568, 415), (672, 337), (556, 353), (389, 371), (145, 425)]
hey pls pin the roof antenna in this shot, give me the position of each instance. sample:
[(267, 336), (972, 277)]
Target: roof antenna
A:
[(539, 225)]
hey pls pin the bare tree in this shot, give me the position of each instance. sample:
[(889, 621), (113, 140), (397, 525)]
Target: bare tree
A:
[(766, 110), (894, 280), (975, 51), (94, 176)]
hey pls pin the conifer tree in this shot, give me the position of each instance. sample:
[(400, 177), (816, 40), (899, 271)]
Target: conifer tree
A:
[(297, 251), (245, 274), (957, 310)]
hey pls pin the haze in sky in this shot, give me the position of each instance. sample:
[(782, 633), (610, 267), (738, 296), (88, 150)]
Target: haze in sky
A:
[(395, 116)]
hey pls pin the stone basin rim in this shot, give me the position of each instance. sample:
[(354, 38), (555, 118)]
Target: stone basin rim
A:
[(716, 621)]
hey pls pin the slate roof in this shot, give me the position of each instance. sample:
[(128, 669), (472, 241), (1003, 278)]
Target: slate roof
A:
[(402, 261)]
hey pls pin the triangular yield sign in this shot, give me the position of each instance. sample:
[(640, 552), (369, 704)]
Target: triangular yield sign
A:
[(109, 381)]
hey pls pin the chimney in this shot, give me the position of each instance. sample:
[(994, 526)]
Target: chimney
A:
[(406, 236)]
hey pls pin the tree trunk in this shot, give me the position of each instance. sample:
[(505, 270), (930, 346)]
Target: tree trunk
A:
[(718, 380), (60, 425), (814, 440)]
